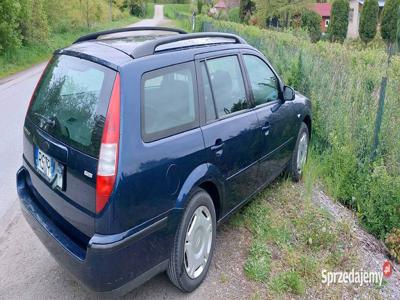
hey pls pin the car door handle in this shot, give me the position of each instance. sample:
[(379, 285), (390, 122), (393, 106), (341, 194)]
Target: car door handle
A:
[(266, 129), (218, 147)]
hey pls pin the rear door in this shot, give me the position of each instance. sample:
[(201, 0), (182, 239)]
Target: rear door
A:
[(275, 116), (62, 135), (230, 130)]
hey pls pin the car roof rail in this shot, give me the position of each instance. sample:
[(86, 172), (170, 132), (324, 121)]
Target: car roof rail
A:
[(95, 35), (150, 47)]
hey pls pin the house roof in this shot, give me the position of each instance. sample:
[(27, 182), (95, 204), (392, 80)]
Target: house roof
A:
[(220, 4), (323, 9)]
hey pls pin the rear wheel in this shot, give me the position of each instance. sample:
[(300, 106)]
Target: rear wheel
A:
[(194, 243), (299, 155)]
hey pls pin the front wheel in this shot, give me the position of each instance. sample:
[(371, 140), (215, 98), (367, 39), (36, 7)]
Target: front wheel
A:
[(194, 243), (299, 155)]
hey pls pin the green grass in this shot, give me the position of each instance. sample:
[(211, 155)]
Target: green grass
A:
[(170, 9), (149, 10), (257, 266), (180, 13), (29, 55), (292, 239), (288, 282)]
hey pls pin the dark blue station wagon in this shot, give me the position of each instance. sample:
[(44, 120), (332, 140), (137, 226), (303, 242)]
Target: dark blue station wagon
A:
[(139, 141)]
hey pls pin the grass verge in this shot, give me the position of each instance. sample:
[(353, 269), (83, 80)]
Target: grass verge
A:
[(149, 10), (293, 240)]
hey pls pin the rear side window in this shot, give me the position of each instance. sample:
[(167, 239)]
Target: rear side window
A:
[(71, 102), (169, 104), (227, 85)]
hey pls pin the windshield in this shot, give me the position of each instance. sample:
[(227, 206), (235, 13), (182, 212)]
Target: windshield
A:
[(71, 102)]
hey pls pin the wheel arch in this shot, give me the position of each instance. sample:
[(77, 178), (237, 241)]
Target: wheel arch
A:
[(207, 177), (211, 188)]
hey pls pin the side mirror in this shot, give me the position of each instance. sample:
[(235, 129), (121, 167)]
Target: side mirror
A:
[(288, 93)]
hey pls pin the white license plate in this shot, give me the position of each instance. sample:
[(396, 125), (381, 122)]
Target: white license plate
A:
[(45, 164), (49, 168)]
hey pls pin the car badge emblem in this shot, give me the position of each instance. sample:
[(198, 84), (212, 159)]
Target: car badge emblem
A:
[(46, 146)]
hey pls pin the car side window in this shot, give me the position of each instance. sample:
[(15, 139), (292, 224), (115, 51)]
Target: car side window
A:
[(168, 102), (227, 85), (208, 98), (264, 84)]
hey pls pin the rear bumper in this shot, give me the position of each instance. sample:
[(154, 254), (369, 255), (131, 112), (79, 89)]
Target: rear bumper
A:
[(109, 264)]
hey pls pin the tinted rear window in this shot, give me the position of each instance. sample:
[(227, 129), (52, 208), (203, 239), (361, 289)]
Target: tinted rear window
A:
[(71, 102)]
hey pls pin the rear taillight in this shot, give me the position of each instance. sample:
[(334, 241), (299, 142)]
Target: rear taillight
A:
[(108, 158)]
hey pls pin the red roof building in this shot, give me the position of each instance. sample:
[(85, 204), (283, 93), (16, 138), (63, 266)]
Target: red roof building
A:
[(225, 5), (324, 10), (220, 5)]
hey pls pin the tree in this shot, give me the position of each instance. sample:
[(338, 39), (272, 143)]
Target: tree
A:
[(368, 21), (339, 20), (389, 23), (200, 4), (10, 36), (311, 21), (246, 8), (135, 7), (33, 21), (389, 33)]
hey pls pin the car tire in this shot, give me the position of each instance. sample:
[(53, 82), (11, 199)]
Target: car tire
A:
[(294, 169), (187, 239)]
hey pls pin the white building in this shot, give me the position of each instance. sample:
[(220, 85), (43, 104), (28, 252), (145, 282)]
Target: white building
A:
[(354, 16)]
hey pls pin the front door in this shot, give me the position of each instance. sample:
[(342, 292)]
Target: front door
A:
[(274, 117)]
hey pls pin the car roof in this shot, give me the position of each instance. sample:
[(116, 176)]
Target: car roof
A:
[(118, 47)]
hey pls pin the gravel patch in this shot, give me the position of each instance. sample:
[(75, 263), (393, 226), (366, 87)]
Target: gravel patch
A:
[(372, 252)]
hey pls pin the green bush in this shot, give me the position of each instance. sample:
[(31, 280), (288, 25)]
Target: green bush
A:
[(136, 7), (369, 20), (33, 21), (233, 15), (343, 85), (339, 20), (393, 242), (45, 25), (10, 37), (311, 21), (246, 8), (389, 21)]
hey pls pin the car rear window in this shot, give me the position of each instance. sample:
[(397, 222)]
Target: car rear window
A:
[(71, 102)]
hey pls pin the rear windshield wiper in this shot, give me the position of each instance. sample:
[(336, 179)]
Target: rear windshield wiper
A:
[(54, 123), (47, 120)]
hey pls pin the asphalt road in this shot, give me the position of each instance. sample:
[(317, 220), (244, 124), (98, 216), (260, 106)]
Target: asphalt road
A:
[(15, 93), (26, 268)]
